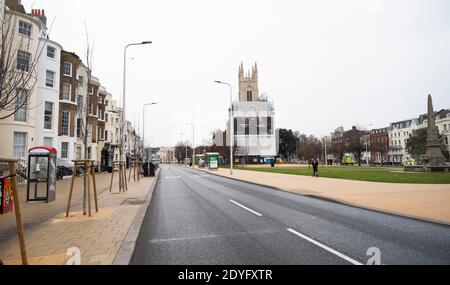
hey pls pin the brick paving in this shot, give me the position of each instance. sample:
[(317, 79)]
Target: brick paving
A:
[(49, 234)]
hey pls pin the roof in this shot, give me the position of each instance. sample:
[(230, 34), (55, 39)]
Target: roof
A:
[(50, 149)]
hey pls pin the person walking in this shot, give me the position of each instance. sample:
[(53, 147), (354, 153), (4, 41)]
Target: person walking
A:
[(313, 163), (316, 167)]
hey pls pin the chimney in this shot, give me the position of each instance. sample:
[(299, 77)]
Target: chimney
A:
[(39, 13)]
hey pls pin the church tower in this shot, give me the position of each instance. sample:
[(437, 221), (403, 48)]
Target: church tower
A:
[(248, 84)]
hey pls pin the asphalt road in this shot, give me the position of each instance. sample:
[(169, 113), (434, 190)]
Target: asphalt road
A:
[(198, 218)]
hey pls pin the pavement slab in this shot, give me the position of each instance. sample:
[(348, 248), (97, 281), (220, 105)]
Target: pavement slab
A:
[(49, 234)]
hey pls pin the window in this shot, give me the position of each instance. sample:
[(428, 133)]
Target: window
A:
[(65, 120), (64, 150), (101, 134), (247, 126), (67, 90), (51, 52), (50, 79), (78, 150), (80, 102), (106, 135), (48, 141), (80, 80), (48, 115), (269, 126), (23, 60), (21, 106), (91, 90), (67, 68), (79, 125), (249, 95), (19, 144), (25, 28), (106, 117), (446, 140)]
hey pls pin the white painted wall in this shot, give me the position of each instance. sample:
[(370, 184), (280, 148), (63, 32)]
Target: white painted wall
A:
[(8, 126), (48, 94)]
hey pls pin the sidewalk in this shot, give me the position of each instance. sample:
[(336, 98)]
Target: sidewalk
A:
[(423, 201), (49, 234)]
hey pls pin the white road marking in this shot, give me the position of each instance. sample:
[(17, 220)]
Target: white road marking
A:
[(343, 256), (248, 209), (172, 177)]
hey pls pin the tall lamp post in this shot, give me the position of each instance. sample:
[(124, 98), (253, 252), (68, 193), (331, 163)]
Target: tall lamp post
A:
[(143, 118), (124, 101), (193, 143), (231, 124)]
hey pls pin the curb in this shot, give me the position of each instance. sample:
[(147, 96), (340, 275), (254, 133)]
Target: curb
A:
[(126, 251), (334, 200)]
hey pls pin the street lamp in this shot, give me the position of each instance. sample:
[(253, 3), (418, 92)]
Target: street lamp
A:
[(231, 124), (124, 90), (193, 143), (143, 118)]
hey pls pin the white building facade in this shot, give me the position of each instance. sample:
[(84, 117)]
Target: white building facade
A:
[(18, 132), (399, 134), (255, 135), (47, 90)]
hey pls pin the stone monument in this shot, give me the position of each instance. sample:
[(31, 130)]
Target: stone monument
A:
[(434, 159)]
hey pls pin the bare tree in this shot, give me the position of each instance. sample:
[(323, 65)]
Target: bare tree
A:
[(84, 110), (182, 151), (18, 63)]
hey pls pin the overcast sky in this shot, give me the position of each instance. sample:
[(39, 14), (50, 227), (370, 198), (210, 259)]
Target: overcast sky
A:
[(323, 63)]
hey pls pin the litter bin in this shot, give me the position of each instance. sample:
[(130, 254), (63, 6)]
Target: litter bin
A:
[(41, 174), (149, 169)]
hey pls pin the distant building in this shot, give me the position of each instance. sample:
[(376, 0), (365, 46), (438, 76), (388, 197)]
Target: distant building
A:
[(255, 137), (350, 143), (399, 134), (167, 155), (379, 145)]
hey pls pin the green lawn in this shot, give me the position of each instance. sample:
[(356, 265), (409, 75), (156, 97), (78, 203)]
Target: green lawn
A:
[(377, 174)]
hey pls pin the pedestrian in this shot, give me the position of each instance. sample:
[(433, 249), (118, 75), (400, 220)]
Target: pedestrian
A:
[(316, 167), (313, 163)]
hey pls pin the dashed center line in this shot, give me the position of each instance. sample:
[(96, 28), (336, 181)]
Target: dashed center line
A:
[(329, 249), (246, 208)]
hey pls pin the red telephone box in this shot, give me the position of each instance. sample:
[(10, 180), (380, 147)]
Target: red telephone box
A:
[(41, 174)]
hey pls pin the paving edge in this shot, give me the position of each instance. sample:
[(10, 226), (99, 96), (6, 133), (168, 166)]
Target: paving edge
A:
[(126, 251), (334, 200)]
